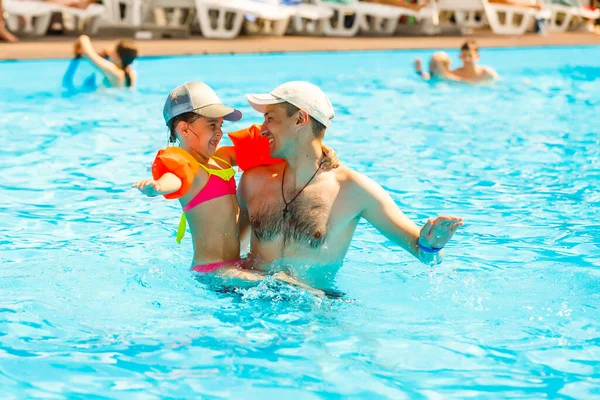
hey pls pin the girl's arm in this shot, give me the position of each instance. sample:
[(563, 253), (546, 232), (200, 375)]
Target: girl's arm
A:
[(227, 153), (166, 184)]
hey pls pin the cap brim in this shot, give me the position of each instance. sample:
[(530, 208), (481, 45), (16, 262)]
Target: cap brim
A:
[(219, 111), (260, 101)]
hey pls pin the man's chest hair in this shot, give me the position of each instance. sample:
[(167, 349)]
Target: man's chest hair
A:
[(305, 222)]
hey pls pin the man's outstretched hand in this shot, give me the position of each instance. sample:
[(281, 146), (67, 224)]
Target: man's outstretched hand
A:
[(437, 232)]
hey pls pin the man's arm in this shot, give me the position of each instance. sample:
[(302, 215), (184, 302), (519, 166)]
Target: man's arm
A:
[(491, 73), (380, 210)]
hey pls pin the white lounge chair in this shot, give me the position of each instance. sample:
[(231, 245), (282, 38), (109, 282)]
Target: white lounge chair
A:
[(379, 19), (503, 19), (371, 18), (468, 14), (137, 12), (587, 13), (306, 19), (516, 19), (178, 17), (223, 19), (84, 19), (344, 22), (427, 16), (562, 14), (36, 16), (353, 16), (133, 11), (267, 17)]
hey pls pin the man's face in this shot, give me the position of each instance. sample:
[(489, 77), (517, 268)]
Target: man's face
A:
[(469, 57), (280, 129)]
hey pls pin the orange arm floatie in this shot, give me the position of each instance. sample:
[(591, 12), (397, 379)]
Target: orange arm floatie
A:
[(251, 149), (178, 162)]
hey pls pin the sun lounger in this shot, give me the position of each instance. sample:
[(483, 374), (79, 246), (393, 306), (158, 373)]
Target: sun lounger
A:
[(36, 16)]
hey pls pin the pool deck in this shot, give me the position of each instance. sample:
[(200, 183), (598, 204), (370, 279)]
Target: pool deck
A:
[(62, 47)]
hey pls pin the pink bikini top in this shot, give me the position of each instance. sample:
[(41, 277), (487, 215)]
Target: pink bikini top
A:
[(220, 183)]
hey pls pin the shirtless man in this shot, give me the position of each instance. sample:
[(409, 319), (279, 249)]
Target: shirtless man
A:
[(302, 219), (470, 72)]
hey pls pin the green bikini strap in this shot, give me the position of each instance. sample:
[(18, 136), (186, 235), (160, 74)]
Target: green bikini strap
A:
[(181, 229), (220, 159)]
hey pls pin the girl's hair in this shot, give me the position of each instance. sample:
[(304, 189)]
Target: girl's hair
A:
[(127, 51), (187, 117)]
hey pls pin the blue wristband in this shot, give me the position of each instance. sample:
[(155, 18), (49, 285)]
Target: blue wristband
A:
[(428, 249)]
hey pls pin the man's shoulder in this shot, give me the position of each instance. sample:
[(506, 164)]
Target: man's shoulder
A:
[(356, 187), (257, 174), (262, 170), (349, 178), (489, 72)]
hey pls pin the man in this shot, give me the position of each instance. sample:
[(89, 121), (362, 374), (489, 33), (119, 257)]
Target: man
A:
[(470, 72), (302, 219)]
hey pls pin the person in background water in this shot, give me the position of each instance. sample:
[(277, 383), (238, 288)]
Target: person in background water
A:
[(470, 72), (114, 63)]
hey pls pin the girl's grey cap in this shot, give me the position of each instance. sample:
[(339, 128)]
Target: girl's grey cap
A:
[(199, 98)]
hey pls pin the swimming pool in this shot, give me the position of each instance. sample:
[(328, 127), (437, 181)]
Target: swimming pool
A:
[(96, 298)]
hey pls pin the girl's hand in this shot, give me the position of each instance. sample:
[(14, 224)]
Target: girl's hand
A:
[(149, 187), (330, 159)]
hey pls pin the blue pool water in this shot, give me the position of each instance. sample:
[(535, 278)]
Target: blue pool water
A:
[(96, 298)]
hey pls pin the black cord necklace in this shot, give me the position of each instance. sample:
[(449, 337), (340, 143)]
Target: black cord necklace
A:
[(286, 210)]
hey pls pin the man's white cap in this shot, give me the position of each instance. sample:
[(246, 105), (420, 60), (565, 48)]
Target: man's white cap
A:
[(303, 95), (199, 98)]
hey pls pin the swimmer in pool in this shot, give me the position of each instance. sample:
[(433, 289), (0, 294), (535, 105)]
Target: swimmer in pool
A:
[(114, 63), (470, 72), (201, 176)]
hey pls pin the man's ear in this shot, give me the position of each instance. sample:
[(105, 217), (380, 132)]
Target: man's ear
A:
[(303, 118)]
